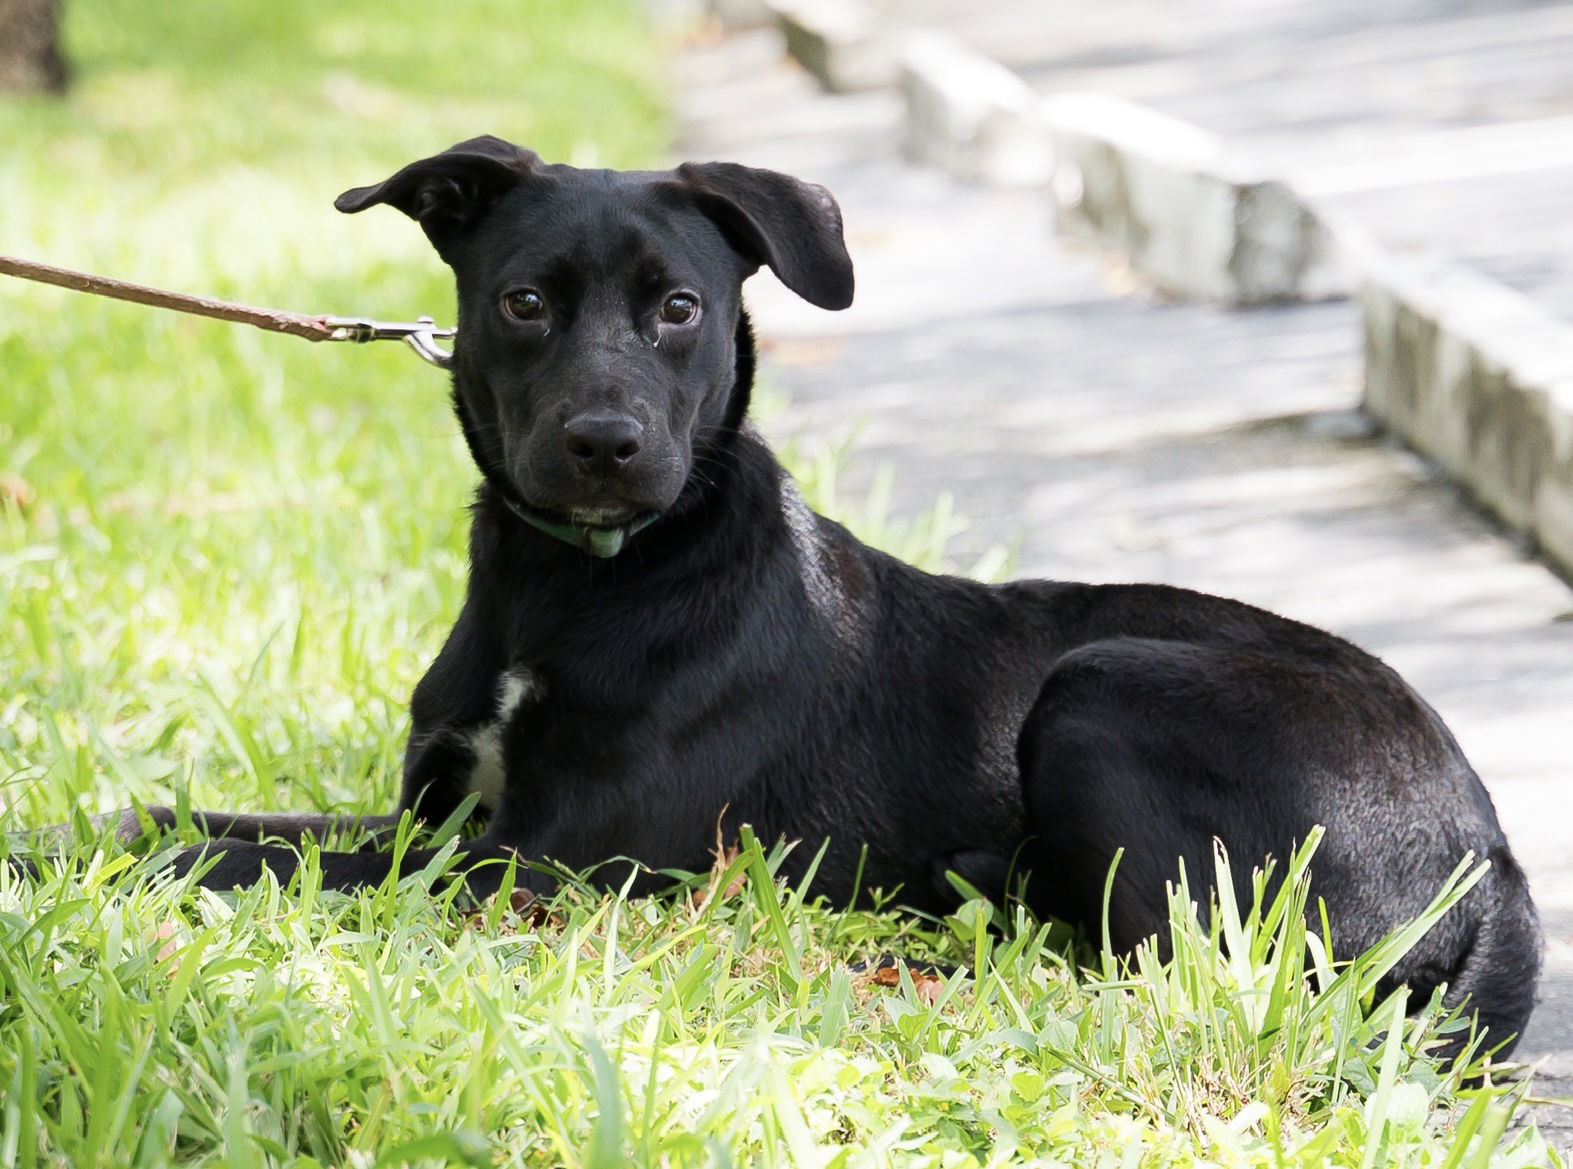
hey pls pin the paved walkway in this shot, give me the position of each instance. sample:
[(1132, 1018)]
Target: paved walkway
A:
[(1106, 437), (1433, 126)]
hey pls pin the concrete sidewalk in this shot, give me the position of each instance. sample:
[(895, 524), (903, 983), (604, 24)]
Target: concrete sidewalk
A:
[(1444, 127), (1109, 437)]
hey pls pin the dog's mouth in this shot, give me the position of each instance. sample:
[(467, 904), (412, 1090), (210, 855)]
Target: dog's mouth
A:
[(614, 513), (599, 531), (607, 516)]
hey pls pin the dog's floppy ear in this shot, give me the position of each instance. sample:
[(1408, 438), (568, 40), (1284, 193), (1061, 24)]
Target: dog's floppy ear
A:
[(448, 193), (774, 219)]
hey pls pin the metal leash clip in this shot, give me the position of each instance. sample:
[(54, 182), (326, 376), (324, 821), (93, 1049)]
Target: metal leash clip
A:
[(422, 336)]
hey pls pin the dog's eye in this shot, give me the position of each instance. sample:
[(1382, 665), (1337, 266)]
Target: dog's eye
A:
[(524, 304), (680, 308)]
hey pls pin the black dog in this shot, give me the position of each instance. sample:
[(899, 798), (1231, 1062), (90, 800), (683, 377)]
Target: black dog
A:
[(658, 632)]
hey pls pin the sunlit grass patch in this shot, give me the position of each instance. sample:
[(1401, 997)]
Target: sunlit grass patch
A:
[(721, 1024)]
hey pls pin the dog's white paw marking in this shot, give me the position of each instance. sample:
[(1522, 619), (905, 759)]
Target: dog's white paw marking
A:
[(489, 773)]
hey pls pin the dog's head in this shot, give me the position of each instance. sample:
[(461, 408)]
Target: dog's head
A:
[(599, 311)]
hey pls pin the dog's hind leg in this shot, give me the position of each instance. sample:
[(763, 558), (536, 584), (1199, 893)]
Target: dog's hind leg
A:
[(133, 824), (1159, 748), (237, 863), (988, 873), (298, 828)]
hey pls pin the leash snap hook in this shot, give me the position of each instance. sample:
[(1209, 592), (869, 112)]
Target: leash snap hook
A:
[(422, 336), (424, 342)]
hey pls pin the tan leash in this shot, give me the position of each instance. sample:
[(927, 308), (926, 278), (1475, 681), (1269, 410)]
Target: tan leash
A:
[(422, 336)]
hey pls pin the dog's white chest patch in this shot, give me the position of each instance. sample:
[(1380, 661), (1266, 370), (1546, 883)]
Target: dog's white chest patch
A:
[(488, 773)]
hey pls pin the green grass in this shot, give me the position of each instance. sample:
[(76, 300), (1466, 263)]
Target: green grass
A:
[(225, 559), (716, 1026)]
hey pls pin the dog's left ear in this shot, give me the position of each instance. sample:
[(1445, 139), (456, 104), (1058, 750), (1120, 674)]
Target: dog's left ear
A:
[(449, 193), (774, 219)]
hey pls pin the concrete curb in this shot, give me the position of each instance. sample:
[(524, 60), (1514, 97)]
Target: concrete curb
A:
[(1468, 371), (1189, 215), (1480, 378), (837, 41), (971, 116)]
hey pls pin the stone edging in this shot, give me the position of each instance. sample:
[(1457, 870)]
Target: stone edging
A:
[(1468, 371), (1480, 378), (1187, 214)]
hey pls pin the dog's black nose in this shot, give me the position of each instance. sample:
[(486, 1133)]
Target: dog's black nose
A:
[(602, 441)]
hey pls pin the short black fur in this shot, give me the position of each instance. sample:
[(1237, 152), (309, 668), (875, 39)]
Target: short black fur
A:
[(744, 660)]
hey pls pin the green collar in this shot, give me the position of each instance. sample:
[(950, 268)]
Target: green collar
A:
[(593, 539)]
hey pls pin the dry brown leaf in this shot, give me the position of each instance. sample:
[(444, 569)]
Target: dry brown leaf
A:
[(929, 986), (165, 933), (525, 911), (724, 855), (739, 878)]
